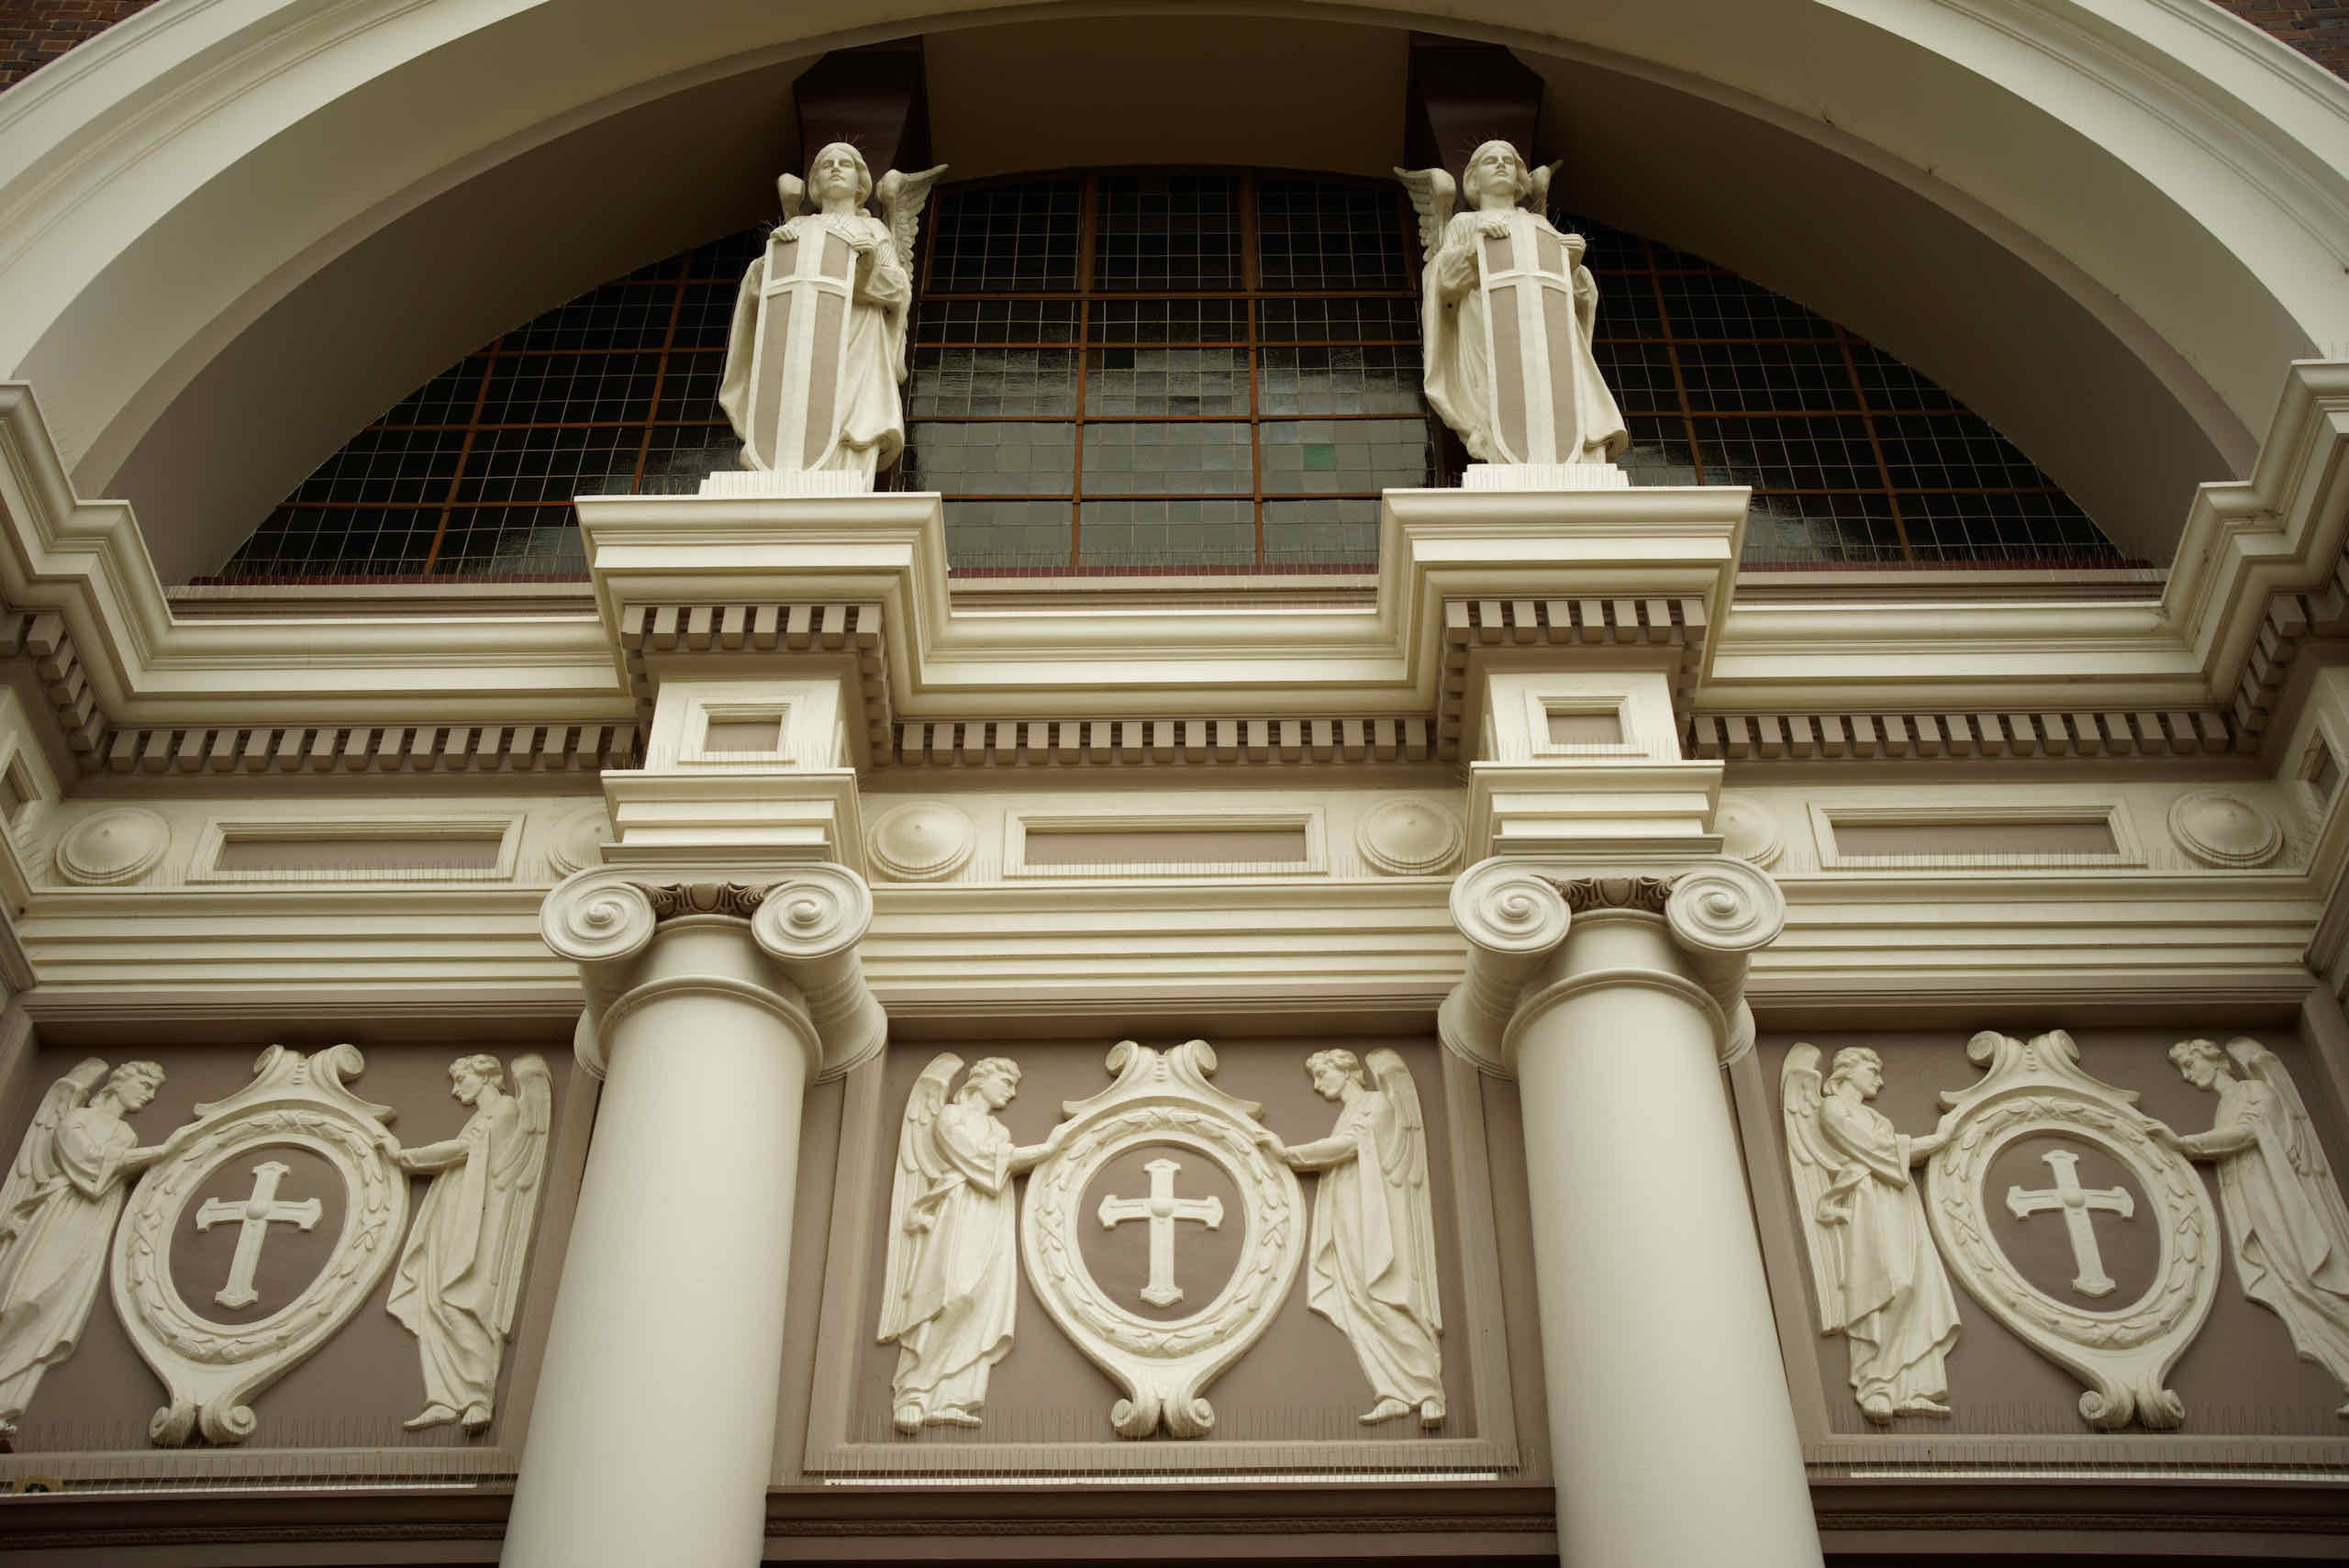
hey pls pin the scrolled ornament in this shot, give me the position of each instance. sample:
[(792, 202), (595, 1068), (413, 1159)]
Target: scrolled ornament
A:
[(597, 917), (816, 912), (1725, 906), (1504, 906)]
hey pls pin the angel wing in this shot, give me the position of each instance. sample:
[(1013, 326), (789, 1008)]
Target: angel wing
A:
[(1813, 1166), (2300, 1138), (1432, 195), (917, 1172), (792, 192), (36, 1163), (1539, 200), (901, 197), (534, 1094), (1407, 1175)]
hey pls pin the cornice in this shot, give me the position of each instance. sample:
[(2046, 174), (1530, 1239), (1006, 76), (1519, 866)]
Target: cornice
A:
[(961, 680)]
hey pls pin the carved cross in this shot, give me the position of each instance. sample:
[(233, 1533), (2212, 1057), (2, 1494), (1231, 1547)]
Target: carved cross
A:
[(2079, 1203), (1161, 1208), (255, 1215)]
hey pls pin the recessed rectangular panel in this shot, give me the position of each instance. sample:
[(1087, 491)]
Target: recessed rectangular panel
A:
[(762, 733), (1279, 845), (296, 851), (2055, 836), (1590, 727)]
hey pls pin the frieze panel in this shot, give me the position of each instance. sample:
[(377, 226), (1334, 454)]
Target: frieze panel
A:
[(2022, 1238)]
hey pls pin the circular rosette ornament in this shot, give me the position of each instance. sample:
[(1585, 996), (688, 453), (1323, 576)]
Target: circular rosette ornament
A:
[(1164, 1364), (2119, 1342), (296, 1103)]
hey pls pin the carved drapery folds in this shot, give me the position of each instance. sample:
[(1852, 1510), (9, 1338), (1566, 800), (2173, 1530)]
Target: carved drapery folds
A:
[(808, 921), (1517, 914)]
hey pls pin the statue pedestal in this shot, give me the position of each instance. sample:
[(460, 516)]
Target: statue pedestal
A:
[(759, 484), (1543, 476)]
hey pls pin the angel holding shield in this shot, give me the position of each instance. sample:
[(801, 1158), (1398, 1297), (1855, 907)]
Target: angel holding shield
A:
[(1507, 312), (953, 1253), (459, 1275), (1879, 1278), (2284, 1216), (817, 345), (1370, 1257)]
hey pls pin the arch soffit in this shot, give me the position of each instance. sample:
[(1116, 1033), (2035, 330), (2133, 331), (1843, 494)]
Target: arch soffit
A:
[(163, 186)]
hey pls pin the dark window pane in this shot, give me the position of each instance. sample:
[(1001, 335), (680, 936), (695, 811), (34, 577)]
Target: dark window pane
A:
[(1394, 319), (1333, 532), (991, 459), (1320, 234), (1209, 457), (997, 321), (1760, 377), (1168, 321), (1007, 535), (1332, 457), (963, 383), (1166, 533), (1828, 453), (1165, 381), (1828, 529), (1006, 238), (1340, 381), (1168, 231)]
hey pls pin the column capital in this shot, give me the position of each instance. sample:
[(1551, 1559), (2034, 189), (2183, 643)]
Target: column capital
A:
[(798, 925), (1517, 913)]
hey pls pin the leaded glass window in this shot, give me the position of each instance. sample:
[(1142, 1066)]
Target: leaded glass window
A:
[(1163, 369)]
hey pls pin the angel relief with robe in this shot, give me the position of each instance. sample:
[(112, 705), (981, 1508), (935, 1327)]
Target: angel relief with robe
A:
[(1370, 1257), (57, 1215), (818, 346), (1507, 313), (2284, 1212), (952, 1270), (1879, 1278), (459, 1275)]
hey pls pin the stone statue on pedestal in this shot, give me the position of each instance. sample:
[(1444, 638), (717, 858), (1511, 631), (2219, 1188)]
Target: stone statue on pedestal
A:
[(818, 341), (1507, 311)]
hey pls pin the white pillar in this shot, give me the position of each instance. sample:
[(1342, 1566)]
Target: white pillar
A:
[(1671, 1429), (651, 1437)]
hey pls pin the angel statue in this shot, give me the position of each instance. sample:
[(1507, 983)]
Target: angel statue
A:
[(1507, 311), (1880, 1281), (1369, 1257), (953, 1263), (2284, 1212), (461, 1273), (819, 343), (57, 1213)]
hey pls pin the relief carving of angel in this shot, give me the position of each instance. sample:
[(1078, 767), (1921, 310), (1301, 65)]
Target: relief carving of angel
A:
[(56, 1214), (1370, 1259), (2283, 1207), (1880, 1279), (818, 346), (460, 1275), (1507, 313), (953, 1256)]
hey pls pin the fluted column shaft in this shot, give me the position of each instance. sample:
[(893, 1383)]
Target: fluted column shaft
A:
[(1672, 1432), (651, 1438)]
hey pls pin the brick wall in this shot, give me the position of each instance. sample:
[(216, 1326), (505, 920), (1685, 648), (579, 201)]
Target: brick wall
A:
[(2317, 29), (34, 33)]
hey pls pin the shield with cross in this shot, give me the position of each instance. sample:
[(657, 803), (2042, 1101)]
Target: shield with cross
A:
[(297, 1108), (799, 360), (1527, 275), (1162, 1103), (2119, 1338)]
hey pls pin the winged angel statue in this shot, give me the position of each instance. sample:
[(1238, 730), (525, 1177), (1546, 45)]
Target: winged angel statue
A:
[(2284, 1216), (1507, 312), (461, 1273), (1370, 1261), (57, 1213), (1879, 1278), (954, 1254), (818, 341)]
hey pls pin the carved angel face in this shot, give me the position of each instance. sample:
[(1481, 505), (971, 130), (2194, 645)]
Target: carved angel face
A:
[(838, 173), (2198, 1061), (1861, 1068), (993, 1085), (1496, 177), (133, 1090), (1332, 1072)]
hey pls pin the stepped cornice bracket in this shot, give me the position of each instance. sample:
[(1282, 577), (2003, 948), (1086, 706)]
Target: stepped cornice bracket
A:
[(807, 921), (1517, 914)]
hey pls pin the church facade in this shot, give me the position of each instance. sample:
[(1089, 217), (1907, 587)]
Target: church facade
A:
[(1253, 783)]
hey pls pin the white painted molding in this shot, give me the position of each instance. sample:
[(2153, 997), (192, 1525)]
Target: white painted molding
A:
[(2220, 827), (920, 840), (2122, 1353), (1410, 837), (1307, 822), (1164, 1364), (112, 847), (1913, 808), (220, 832), (213, 1369)]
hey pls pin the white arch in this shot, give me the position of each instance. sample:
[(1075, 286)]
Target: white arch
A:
[(165, 186)]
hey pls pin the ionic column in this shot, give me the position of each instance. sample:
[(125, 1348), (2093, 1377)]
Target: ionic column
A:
[(1613, 997), (710, 1008)]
